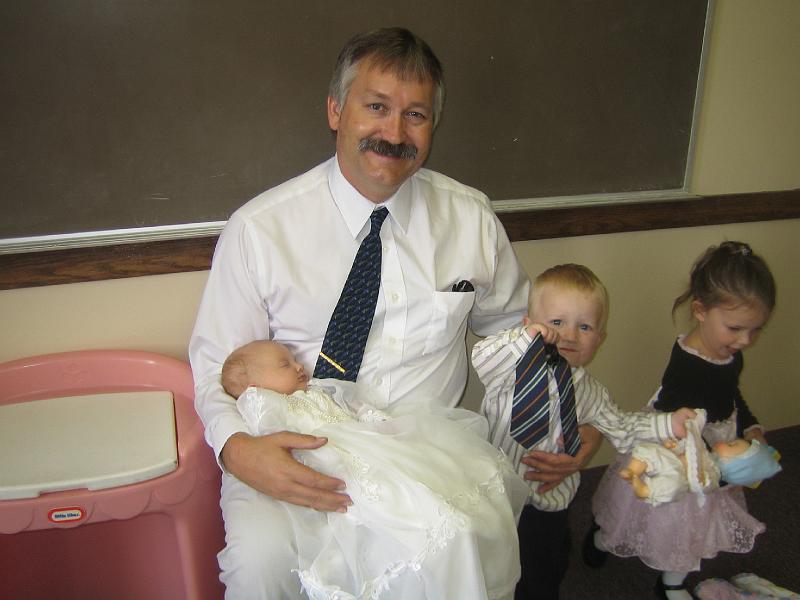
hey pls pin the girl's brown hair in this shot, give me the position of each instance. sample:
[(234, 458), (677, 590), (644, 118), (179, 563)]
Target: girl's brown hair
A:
[(729, 274)]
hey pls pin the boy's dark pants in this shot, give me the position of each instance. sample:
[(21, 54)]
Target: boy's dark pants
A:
[(544, 546)]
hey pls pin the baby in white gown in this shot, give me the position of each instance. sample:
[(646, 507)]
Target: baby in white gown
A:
[(434, 505)]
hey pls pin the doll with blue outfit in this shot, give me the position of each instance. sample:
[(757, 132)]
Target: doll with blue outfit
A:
[(660, 473)]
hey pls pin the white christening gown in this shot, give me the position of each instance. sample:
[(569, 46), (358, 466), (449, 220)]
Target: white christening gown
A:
[(434, 505)]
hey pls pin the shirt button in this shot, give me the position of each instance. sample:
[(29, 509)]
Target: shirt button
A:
[(395, 297), (378, 381)]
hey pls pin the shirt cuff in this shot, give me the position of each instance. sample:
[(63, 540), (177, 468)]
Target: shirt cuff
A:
[(664, 427), (218, 434)]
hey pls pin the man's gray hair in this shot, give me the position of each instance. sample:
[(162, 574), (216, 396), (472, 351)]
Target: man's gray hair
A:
[(394, 49)]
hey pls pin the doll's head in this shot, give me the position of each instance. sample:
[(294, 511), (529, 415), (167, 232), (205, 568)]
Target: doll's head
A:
[(744, 463), (732, 449)]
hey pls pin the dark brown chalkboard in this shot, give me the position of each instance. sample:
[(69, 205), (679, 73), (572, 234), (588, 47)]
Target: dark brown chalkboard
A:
[(134, 113)]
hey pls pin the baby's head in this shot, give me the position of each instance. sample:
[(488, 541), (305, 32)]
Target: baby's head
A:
[(573, 301), (265, 364)]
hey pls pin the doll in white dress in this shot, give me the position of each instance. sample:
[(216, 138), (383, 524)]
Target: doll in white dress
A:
[(434, 505), (662, 473)]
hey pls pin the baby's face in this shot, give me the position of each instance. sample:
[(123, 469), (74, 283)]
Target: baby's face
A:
[(275, 368), (577, 317), (731, 449)]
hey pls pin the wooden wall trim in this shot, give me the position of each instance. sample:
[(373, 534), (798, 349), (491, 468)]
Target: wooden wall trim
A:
[(645, 216), (76, 265)]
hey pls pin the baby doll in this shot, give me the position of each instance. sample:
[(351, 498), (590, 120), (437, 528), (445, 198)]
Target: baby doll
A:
[(664, 473), (657, 473)]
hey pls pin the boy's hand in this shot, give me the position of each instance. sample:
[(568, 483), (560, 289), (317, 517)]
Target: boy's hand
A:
[(549, 335), (679, 418)]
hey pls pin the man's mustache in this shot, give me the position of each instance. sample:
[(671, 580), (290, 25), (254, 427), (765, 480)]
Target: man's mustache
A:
[(379, 146)]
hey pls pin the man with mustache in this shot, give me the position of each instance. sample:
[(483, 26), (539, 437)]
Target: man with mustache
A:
[(279, 269)]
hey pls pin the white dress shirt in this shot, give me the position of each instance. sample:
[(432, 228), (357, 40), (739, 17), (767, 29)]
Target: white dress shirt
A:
[(495, 360), (283, 258)]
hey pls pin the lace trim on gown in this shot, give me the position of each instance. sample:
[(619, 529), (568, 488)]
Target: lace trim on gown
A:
[(453, 520), (453, 513)]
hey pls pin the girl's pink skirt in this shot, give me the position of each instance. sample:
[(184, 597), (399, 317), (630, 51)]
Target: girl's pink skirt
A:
[(673, 536)]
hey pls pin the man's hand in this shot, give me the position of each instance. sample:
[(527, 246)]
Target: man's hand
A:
[(266, 464), (552, 469), (679, 418)]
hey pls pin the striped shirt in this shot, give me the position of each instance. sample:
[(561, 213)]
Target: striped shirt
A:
[(495, 359)]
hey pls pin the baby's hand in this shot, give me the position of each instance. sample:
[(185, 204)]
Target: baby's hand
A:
[(549, 335), (679, 418)]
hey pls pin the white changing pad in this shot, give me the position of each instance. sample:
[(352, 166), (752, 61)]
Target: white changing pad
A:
[(93, 441)]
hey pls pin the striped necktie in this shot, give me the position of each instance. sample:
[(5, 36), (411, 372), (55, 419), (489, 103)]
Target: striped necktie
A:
[(530, 410), (343, 347)]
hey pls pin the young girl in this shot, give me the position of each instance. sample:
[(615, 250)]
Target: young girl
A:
[(731, 295), (434, 505)]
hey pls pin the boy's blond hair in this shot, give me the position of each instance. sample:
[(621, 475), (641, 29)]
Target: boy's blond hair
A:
[(577, 277)]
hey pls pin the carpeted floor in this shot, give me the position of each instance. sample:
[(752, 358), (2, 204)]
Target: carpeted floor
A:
[(775, 557)]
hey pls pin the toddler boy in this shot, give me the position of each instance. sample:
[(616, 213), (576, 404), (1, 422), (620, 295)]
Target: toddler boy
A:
[(567, 305)]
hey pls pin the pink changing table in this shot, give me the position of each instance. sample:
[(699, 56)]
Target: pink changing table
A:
[(138, 525)]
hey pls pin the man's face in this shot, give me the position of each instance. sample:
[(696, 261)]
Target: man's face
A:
[(382, 108)]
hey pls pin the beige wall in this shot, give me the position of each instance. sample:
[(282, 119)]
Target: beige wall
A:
[(143, 313), (748, 140), (749, 126)]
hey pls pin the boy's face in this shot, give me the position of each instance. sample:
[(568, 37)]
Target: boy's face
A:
[(576, 315), (275, 368)]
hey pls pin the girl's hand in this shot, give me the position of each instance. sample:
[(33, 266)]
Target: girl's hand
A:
[(549, 335), (755, 434)]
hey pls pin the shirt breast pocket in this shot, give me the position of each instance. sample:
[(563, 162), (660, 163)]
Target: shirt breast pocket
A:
[(448, 319)]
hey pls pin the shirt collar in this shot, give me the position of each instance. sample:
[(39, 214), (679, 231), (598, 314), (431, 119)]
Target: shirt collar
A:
[(577, 374), (356, 209)]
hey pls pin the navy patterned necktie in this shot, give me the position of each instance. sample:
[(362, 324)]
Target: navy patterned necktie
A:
[(346, 336), (530, 409)]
